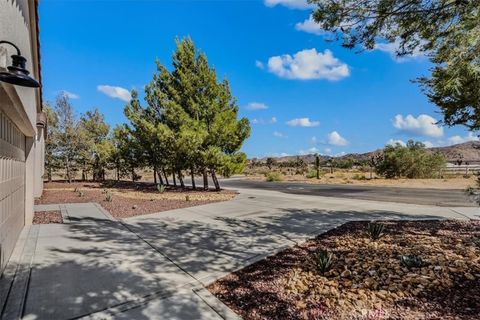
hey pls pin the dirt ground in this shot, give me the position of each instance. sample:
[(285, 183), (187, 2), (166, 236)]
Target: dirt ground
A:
[(362, 179), (127, 199), (47, 217), (367, 279)]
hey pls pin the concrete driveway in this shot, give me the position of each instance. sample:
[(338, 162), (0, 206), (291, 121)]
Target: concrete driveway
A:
[(155, 266)]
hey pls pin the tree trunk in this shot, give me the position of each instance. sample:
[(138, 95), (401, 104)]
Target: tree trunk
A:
[(215, 180), (68, 171), (205, 179), (133, 175), (155, 175), (118, 172), (192, 173), (166, 177), (174, 179), (160, 178), (180, 178), (49, 174)]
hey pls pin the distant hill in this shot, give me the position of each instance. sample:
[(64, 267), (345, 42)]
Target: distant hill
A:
[(468, 152)]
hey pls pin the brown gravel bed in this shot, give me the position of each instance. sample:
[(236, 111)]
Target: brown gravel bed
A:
[(367, 280), (47, 217), (130, 199)]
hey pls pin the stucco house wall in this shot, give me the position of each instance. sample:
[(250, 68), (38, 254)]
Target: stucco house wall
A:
[(21, 140)]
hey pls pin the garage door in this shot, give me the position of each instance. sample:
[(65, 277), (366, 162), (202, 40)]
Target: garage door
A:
[(12, 186)]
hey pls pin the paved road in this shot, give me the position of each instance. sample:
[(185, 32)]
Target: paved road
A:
[(444, 198)]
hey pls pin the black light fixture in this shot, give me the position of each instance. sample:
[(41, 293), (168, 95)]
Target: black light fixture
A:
[(17, 74)]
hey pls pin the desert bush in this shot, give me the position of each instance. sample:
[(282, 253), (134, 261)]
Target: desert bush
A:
[(76, 189), (410, 161), (357, 176), (81, 194), (312, 174), (160, 188), (324, 261), (411, 261), (187, 198), (375, 230), (273, 176)]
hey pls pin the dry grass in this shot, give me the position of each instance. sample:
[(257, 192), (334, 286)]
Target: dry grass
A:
[(363, 179)]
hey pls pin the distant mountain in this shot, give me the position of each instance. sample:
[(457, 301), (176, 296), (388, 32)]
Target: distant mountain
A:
[(468, 152)]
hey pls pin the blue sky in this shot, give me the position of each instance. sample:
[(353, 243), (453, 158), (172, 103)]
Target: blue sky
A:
[(301, 93)]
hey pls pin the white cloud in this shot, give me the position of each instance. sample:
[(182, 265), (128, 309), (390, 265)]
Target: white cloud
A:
[(115, 92), (428, 144), (334, 138), (308, 64), (277, 154), (314, 140), (393, 47), (292, 4), (309, 151), (259, 64), (458, 139), (328, 150), (70, 95), (393, 142), (303, 122), (310, 26), (263, 121), (279, 134), (423, 125), (256, 106)]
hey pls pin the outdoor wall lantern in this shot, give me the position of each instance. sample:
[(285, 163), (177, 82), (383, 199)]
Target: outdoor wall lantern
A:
[(17, 74)]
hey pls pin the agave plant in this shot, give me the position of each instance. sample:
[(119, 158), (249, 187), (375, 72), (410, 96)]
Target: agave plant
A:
[(411, 261), (324, 261), (160, 188), (375, 230)]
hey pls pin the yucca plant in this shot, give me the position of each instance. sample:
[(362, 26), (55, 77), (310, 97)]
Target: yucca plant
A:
[(81, 194), (324, 261), (109, 197), (411, 261), (375, 230), (160, 188)]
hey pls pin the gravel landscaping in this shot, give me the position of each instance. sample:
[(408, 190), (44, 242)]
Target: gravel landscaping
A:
[(438, 278), (47, 217), (126, 199)]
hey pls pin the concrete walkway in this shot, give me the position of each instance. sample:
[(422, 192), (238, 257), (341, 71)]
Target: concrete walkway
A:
[(155, 266)]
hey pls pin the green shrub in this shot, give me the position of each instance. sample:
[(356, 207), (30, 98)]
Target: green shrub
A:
[(160, 188), (312, 174), (324, 261), (411, 261), (375, 230), (410, 161), (357, 176), (273, 177)]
